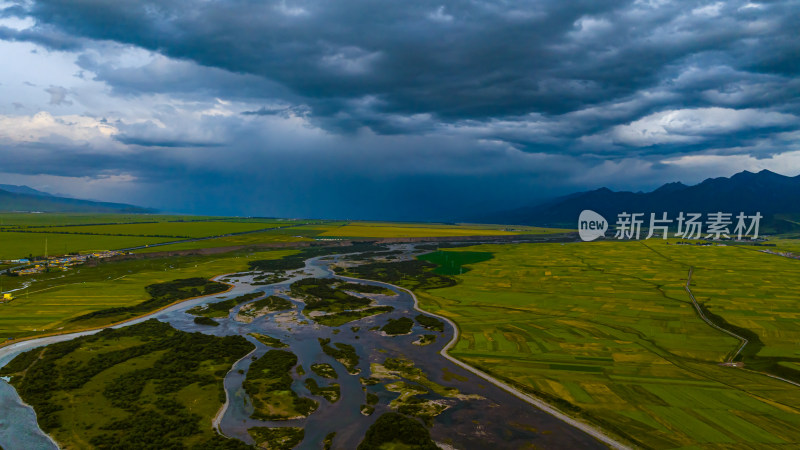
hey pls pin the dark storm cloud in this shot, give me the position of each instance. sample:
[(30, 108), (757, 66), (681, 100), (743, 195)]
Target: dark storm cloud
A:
[(423, 109), (177, 77), (43, 35), (168, 143), (282, 111), (61, 159), (457, 60)]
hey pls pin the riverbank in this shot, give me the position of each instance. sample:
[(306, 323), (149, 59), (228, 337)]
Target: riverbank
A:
[(550, 409), (11, 343)]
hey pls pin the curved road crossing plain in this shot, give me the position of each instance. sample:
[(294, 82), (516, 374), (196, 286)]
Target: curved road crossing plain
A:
[(644, 344)]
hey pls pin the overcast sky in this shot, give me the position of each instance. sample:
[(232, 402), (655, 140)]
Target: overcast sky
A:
[(390, 109)]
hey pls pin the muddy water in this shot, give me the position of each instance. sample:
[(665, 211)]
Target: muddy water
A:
[(498, 420)]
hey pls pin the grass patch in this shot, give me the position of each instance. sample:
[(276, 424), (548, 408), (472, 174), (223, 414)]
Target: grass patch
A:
[(413, 274), (344, 353), (326, 294), (54, 299), (15, 245), (324, 370), (161, 295), (283, 438), (268, 383), (144, 385), (453, 262), (270, 341), (223, 308), (331, 393), (425, 339), (340, 318), (605, 331), (393, 430), (411, 230)]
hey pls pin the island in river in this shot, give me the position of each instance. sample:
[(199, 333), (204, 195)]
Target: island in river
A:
[(244, 381)]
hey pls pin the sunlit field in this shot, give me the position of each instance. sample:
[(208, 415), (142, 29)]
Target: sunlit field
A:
[(606, 332), (167, 229), (15, 245), (300, 233), (394, 230), (55, 298), (26, 234)]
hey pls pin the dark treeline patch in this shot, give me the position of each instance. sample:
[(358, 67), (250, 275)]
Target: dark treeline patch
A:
[(340, 318), (366, 288), (430, 323), (440, 245), (274, 366), (413, 274), (344, 353), (451, 263), (324, 370), (162, 294), (155, 420), (323, 294), (279, 438), (270, 341), (402, 325), (21, 362), (371, 255), (394, 428), (298, 260), (274, 303), (221, 309), (327, 443), (749, 355), (268, 381), (330, 393), (203, 320)]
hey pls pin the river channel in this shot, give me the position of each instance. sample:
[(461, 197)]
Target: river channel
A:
[(483, 417)]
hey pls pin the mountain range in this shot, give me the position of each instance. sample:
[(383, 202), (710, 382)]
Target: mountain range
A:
[(775, 196), (26, 199)]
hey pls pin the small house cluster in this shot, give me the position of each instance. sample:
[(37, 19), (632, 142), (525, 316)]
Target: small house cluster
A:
[(57, 262)]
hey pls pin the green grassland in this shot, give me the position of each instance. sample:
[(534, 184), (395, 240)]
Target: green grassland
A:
[(22, 235), (223, 308), (394, 230), (25, 234), (15, 245), (353, 230), (324, 370), (269, 385), (278, 438), (9, 219), (396, 431), (300, 233), (269, 341), (344, 353), (55, 298), (340, 318), (451, 263), (166, 229), (782, 244), (606, 332), (147, 386)]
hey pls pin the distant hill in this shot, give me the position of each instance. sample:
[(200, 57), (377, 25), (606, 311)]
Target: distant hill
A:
[(23, 190), (24, 198), (776, 197)]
